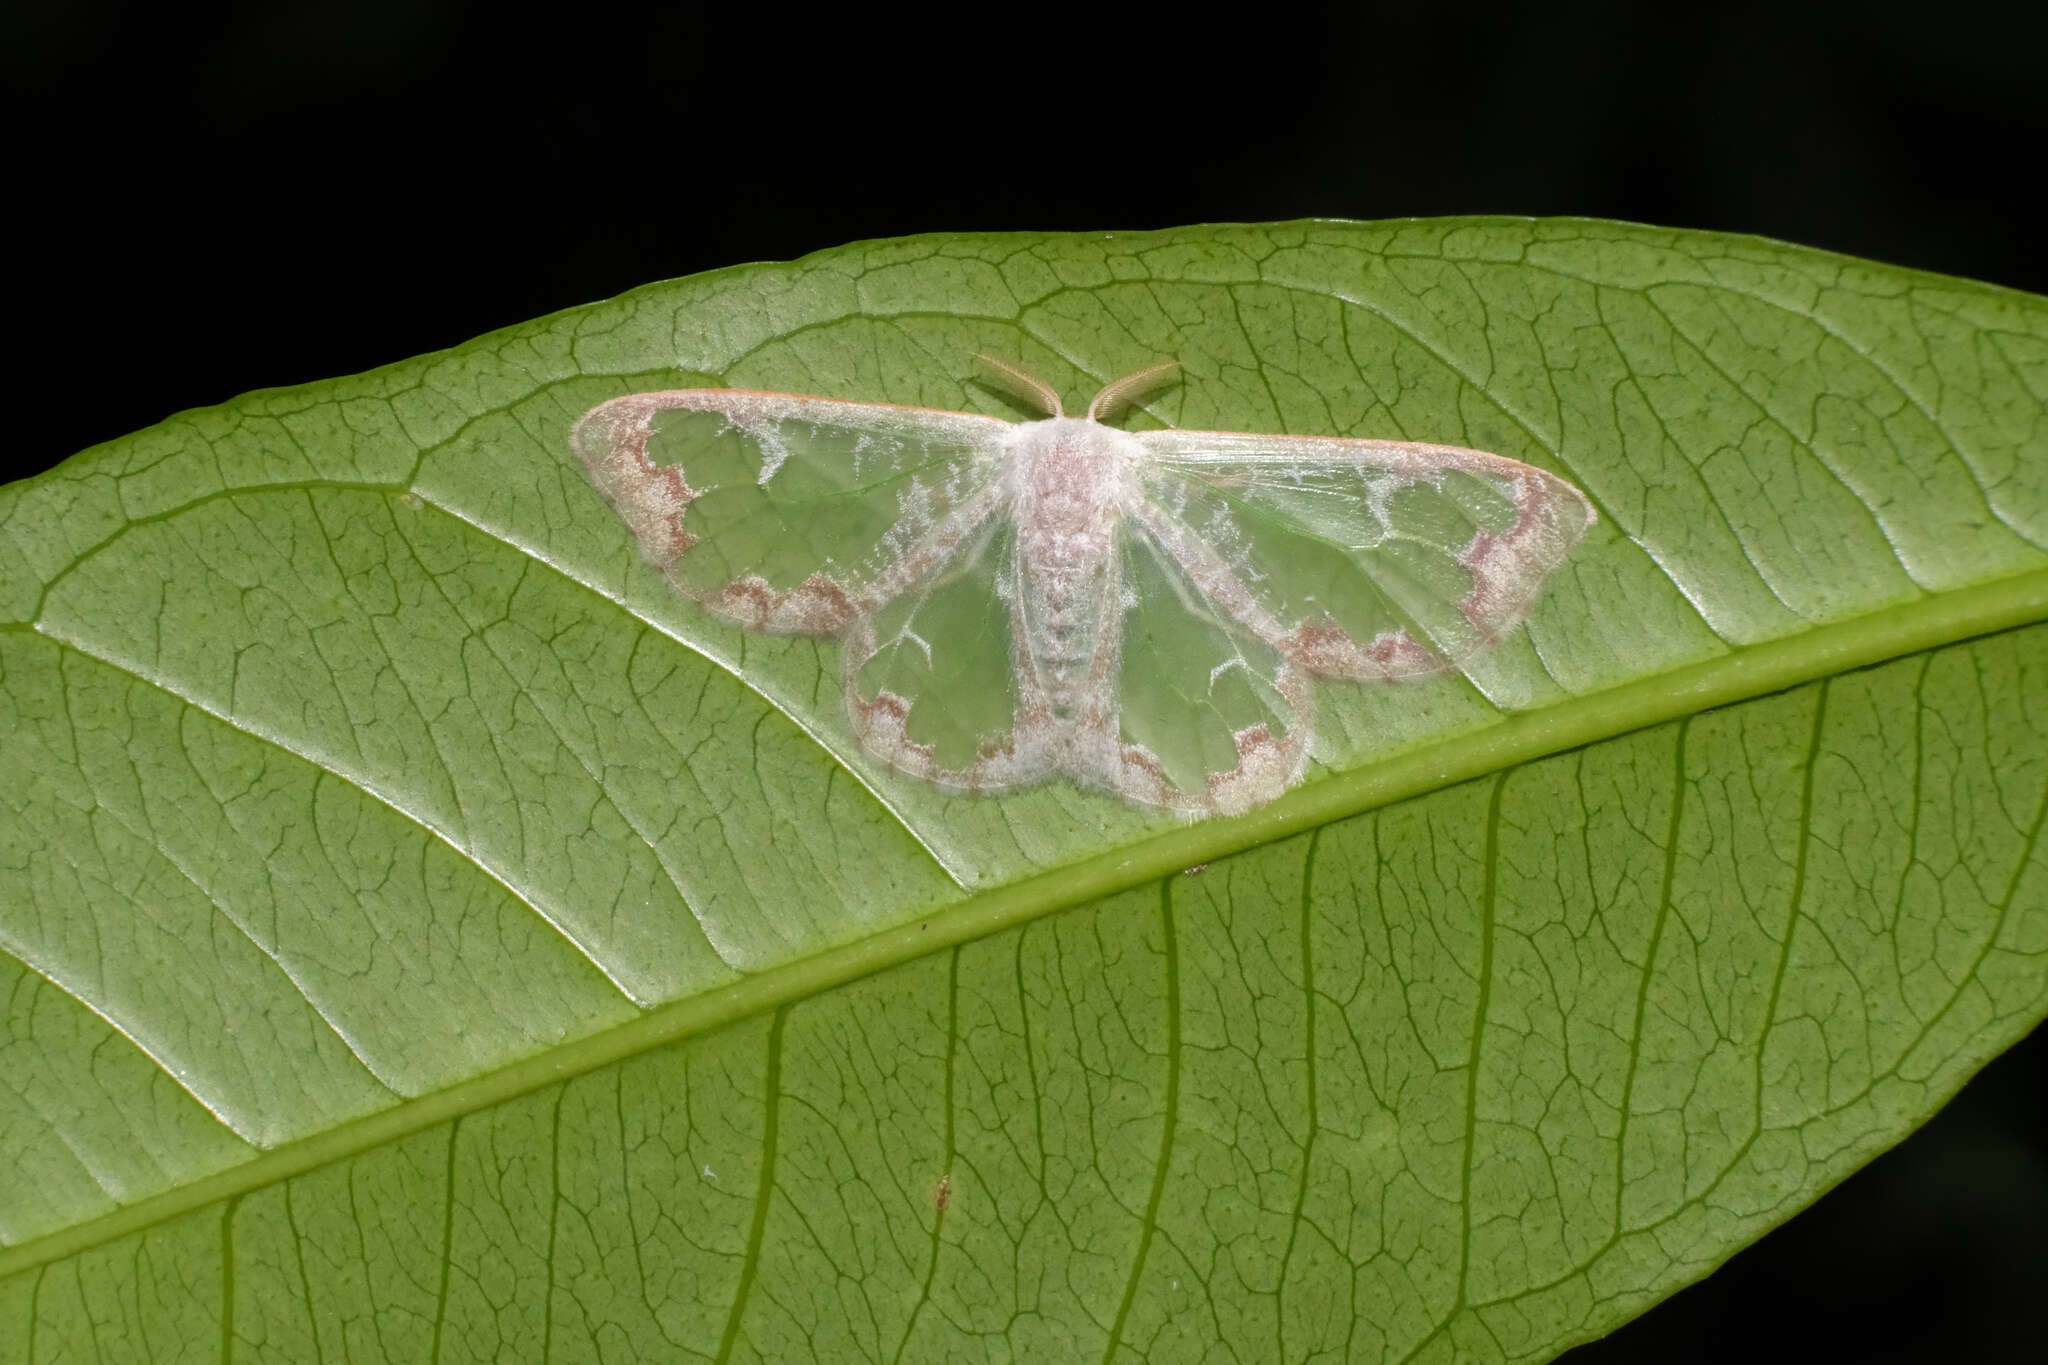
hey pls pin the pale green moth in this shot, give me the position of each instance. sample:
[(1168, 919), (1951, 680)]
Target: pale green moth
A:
[(1137, 612)]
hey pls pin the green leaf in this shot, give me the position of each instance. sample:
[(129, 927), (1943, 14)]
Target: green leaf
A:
[(427, 937)]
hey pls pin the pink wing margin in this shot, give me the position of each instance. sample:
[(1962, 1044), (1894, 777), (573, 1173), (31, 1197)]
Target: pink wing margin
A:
[(653, 500), (1507, 567)]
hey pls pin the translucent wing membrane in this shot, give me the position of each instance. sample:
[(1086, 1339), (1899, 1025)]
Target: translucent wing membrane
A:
[(1184, 709), (791, 513), (1371, 560), (931, 678), (1211, 719)]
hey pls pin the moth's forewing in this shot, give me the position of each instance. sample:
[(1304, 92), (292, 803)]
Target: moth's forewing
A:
[(1369, 560), (1210, 717), (787, 512)]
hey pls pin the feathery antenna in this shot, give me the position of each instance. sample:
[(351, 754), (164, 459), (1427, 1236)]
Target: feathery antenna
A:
[(1118, 392), (1026, 386)]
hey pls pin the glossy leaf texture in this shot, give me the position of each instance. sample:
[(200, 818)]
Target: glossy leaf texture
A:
[(426, 936)]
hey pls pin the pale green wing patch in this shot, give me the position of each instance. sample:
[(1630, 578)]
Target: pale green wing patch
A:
[(1361, 559), (1210, 718), (930, 677), (786, 512)]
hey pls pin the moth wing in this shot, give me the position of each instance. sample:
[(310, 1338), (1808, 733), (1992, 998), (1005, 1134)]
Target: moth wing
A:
[(1211, 719), (1370, 560), (1196, 714), (786, 512), (931, 676)]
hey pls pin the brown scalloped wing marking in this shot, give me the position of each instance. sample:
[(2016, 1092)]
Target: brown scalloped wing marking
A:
[(1508, 569), (882, 727), (816, 606), (1322, 646), (611, 440), (1267, 764)]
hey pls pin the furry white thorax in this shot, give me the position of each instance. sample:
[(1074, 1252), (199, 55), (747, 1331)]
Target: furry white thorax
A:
[(1070, 479)]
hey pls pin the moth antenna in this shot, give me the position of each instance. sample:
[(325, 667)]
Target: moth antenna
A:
[(1026, 386), (1118, 392)]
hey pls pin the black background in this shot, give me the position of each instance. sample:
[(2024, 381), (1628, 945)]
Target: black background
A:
[(273, 192)]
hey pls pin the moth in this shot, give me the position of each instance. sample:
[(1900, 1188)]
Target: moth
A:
[(1141, 613)]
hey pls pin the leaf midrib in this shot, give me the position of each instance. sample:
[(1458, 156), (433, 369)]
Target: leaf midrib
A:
[(1744, 673)]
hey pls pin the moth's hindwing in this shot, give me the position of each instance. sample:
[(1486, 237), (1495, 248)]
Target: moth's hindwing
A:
[(1211, 719), (930, 678)]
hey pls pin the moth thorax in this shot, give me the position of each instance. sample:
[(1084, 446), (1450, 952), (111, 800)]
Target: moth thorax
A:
[(1069, 472), (1066, 497)]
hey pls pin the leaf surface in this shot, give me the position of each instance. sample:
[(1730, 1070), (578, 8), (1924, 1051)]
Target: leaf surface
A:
[(427, 936)]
